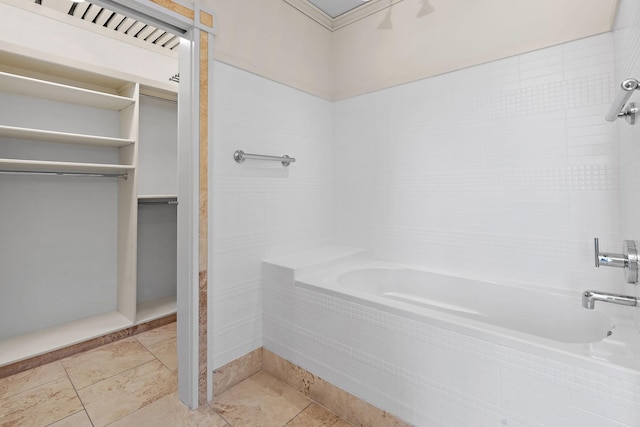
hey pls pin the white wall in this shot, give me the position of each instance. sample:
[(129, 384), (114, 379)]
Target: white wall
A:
[(55, 264), (505, 178), (157, 252), (503, 172), (627, 47), (157, 176), (274, 40), (157, 147), (262, 209), (458, 34)]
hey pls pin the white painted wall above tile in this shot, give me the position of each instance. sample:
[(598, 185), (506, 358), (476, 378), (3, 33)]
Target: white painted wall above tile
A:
[(351, 55), (458, 34)]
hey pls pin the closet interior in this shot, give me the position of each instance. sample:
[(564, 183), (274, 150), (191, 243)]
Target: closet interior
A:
[(88, 190)]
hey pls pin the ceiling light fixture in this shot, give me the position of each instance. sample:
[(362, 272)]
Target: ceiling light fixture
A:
[(386, 23), (425, 9)]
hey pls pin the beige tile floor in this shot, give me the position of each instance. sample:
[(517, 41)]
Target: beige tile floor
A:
[(133, 382)]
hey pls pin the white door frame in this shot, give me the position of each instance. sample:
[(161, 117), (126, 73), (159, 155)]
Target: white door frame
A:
[(188, 182), (188, 219)]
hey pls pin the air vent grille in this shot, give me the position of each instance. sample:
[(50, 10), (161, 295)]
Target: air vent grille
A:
[(103, 17)]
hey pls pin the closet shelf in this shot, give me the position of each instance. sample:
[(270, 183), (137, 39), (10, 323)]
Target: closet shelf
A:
[(62, 137), (41, 165), (12, 83), (156, 309), (158, 198)]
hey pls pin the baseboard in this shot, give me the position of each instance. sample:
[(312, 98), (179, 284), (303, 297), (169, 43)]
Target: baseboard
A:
[(349, 407), (236, 371), (52, 356)]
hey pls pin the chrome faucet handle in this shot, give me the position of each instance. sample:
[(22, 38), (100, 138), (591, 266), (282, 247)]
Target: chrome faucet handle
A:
[(631, 253), (628, 259)]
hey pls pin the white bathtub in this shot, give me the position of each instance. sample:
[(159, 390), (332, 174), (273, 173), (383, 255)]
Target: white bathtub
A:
[(531, 320), (440, 350), (545, 315)]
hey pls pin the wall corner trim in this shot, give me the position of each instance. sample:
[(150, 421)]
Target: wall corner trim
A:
[(204, 19)]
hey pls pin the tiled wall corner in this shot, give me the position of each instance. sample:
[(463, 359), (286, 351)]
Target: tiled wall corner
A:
[(236, 371)]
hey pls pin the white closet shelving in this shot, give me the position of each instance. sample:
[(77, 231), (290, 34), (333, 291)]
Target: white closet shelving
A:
[(157, 201), (44, 165), (62, 137), (23, 85), (123, 99)]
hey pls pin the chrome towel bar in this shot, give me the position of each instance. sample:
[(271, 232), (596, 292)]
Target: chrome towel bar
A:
[(240, 156), (618, 109)]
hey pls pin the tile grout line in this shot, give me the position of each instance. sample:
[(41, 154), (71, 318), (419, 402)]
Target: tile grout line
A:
[(135, 367), (84, 408), (311, 402), (340, 417), (69, 416), (73, 385), (114, 375), (117, 373), (161, 341), (155, 343), (228, 424), (32, 388), (156, 357)]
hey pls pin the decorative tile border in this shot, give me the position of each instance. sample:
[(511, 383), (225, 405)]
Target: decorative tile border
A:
[(236, 371), (347, 406)]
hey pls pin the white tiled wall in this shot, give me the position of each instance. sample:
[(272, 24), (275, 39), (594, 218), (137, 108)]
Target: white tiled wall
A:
[(262, 209), (627, 44), (503, 172)]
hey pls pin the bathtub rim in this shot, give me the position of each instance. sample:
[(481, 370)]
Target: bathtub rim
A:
[(625, 337)]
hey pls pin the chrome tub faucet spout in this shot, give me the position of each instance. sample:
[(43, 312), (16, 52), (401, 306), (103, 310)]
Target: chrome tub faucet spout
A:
[(589, 299)]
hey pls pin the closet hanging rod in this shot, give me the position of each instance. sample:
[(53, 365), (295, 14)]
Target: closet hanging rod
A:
[(240, 156), (74, 174), (158, 202), (618, 108), (159, 98)]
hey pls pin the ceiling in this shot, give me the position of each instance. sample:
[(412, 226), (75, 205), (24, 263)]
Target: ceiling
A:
[(335, 8), (102, 17)]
